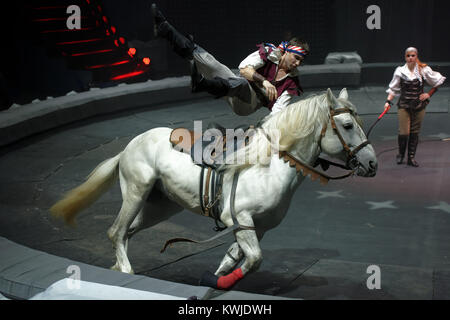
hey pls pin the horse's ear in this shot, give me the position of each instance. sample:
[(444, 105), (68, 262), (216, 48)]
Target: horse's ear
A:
[(343, 94), (330, 97)]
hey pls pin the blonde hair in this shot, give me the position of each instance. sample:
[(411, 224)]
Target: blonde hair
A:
[(419, 63), (296, 123)]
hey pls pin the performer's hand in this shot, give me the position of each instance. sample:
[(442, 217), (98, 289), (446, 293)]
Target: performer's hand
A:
[(387, 106), (271, 90), (424, 96)]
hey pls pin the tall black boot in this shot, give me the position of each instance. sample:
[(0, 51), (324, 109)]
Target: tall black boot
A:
[(218, 87), (182, 45), (402, 142), (412, 147)]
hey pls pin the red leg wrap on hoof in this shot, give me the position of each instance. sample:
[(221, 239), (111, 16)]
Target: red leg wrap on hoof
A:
[(226, 282)]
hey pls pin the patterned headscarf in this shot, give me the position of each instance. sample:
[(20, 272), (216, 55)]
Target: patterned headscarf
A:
[(285, 47)]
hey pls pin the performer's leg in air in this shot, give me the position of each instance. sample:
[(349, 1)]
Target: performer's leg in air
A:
[(207, 74)]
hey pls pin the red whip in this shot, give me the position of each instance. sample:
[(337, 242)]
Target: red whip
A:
[(379, 118)]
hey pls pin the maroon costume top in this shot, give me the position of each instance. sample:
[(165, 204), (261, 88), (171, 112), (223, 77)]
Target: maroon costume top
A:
[(269, 71)]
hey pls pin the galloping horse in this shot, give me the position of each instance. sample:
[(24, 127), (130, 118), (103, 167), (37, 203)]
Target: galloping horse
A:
[(321, 123)]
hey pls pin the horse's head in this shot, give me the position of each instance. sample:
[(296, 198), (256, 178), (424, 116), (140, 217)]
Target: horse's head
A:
[(343, 137)]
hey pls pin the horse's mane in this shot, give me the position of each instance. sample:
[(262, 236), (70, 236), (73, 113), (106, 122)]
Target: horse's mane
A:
[(296, 123)]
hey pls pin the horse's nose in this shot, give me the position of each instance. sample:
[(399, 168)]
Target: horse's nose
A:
[(373, 166)]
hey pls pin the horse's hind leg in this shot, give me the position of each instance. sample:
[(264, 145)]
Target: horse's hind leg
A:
[(134, 195), (157, 208), (119, 237)]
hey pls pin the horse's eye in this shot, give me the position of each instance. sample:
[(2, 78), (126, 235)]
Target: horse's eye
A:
[(348, 126)]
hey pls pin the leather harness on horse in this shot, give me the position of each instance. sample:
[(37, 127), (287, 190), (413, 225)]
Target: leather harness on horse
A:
[(211, 195)]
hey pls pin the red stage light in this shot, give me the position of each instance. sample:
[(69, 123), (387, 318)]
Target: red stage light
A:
[(113, 29), (105, 20), (107, 33), (108, 65), (52, 7), (53, 19), (65, 30), (146, 61), (78, 41), (91, 52), (116, 43), (122, 40), (128, 75), (132, 51)]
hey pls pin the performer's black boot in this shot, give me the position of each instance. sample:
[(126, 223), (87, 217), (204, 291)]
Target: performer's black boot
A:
[(402, 142), (183, 46), (218, 87), (412, 147)]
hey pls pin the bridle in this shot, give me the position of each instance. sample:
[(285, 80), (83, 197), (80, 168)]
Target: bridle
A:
[(306, 169), (352, 161), (294, 162)]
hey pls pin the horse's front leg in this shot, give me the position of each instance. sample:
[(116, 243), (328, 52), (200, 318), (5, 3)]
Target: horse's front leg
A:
[(248, 243), (233, 256)]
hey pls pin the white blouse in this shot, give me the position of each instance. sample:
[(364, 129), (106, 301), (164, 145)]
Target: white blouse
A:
[(254, 60), (432, 78)]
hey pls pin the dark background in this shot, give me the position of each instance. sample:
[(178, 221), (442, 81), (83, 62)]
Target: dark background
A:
[(229, 30)]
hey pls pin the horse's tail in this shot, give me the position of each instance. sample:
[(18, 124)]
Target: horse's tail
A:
[(97, 183)]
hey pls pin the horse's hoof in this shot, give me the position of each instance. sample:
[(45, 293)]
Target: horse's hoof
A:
[(209, 279), (115, 268)]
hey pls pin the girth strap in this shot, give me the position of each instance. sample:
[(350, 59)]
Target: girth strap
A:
[(234, 228), (206, 193), (202, 174)]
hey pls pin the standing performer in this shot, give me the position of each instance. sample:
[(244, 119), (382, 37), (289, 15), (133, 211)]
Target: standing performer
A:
[(269, 76), (408, 82)]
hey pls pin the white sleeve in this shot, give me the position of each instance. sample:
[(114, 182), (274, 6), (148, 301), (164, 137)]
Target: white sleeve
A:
[(282, 102), (394, 86), (433, 78), (253, 60)]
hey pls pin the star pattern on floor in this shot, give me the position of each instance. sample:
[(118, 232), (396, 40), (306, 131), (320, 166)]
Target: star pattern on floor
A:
[(377, 205), (444, 206), (381, 205), (332, 194)]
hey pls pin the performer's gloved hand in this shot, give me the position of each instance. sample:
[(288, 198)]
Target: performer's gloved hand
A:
[(271, 90)]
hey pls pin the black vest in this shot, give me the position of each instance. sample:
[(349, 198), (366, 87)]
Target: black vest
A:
[(410, 93)]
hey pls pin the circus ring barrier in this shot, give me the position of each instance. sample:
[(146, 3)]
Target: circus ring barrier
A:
[(25, 273)]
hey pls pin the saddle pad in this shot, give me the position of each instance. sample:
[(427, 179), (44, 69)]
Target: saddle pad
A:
[(187, 141)]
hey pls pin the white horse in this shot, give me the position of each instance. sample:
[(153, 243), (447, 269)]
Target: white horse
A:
[(322, 123)]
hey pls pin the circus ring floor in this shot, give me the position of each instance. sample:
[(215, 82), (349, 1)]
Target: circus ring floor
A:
[(398, 221)]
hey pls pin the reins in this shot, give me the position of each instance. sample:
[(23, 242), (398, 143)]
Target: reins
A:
[(299, 165), (307, 169)]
